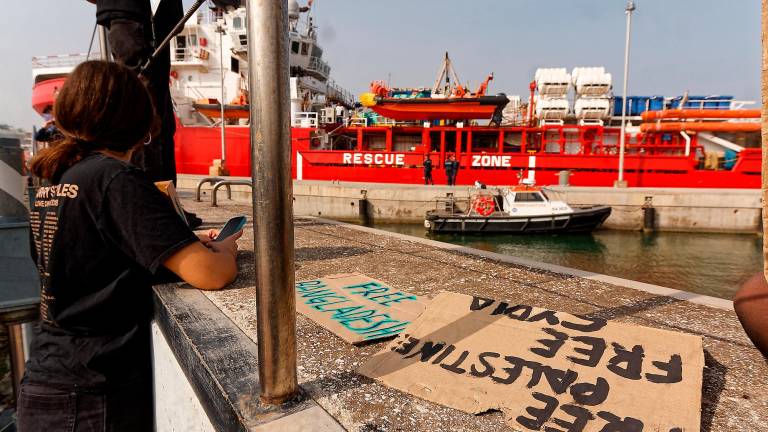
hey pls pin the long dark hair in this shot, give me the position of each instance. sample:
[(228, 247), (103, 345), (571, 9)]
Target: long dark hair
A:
[(101, 106)]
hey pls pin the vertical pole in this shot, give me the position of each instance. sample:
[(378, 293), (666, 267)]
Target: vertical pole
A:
[(16, 348), (272, 198), (622, 138), (220, 30), (104, 44)]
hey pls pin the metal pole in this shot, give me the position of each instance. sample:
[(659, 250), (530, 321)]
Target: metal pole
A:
[(16, 348), (104, 43), (272, 198), (220, 30), (622, 138)]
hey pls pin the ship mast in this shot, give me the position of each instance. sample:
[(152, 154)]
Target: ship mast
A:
[(446, 72)]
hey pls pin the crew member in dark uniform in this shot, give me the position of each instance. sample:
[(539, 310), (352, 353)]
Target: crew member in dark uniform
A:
[(451, 166), (428, 171)]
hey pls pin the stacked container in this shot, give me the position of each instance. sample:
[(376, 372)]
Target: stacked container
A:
[(593, 86), (553, 85)]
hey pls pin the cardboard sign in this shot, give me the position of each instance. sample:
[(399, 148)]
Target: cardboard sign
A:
[(357, 308), (546, 370)]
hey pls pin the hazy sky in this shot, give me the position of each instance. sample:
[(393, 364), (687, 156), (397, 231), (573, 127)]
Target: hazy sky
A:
[(705, 46)]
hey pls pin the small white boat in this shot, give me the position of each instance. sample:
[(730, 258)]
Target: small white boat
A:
[(521, 209)]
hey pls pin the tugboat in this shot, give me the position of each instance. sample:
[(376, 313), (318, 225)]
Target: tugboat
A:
[(523, 209)]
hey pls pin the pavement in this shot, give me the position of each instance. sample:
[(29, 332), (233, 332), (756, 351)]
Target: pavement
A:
[(735, 389)]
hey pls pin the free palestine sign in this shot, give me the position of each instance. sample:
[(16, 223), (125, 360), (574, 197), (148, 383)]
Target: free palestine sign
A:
[(546, 370), (357, 308)]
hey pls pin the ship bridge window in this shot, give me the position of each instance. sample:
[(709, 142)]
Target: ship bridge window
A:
[(528, 197), (317, 51), (193, 40), (237, 22), (295, 47), (485, 141), (403, 142), (304, 48), (234, 65)]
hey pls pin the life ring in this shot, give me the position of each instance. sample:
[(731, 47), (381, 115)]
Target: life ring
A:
[(484, 205)]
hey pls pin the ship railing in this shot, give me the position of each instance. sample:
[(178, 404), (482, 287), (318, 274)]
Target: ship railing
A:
[(335, 91), (357, 122), (64, 60), (305, 120), (188, 55), (316, 64)]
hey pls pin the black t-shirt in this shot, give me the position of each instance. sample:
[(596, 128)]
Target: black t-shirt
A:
[(100, 237)]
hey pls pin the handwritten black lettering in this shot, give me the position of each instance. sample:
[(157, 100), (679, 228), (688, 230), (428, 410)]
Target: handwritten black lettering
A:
[(633, 361), (454, 367), (551, 345), (518, 312), (479, 303), (617, 424), (427, 350), (406, 346), (548, 315), (590, 394), (446, 352), (593, 324), (513, 373), (593, 354), (673, 369), (539, 416), (488, 369), (581, 416)]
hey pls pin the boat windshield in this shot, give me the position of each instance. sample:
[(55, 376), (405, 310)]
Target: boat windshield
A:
[(546, 197)]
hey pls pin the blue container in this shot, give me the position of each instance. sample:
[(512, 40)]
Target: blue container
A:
[(718, 102), (617, 106), (656, 103)]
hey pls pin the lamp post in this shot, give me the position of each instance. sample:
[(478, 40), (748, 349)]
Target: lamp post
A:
[(221, 30), (622, 138), (270, 132)]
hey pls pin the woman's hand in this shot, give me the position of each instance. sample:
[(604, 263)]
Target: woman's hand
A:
[(208, 237), (227, 245)]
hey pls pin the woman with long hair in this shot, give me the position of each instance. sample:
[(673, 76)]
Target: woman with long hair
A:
[(102, 233)]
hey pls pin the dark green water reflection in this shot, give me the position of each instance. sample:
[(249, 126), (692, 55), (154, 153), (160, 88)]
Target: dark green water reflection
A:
[(711, 264)]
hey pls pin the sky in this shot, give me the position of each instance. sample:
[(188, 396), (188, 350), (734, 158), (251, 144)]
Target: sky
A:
[(703, 46)]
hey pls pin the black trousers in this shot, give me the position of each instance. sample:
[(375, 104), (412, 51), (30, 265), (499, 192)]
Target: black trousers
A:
[(41, 408), (133, 34), (428, 177), (451, 177)]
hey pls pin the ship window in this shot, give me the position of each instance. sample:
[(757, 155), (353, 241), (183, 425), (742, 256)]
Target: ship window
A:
[(295, 47), (304, 48), (528, 197), (434, 137), (317, 51), (193, 40), (405, 142), (237, 22), (234, 65), (512, 141), (485, 141)]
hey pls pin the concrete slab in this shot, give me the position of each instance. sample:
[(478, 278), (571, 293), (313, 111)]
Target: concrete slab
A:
[(735, 392)]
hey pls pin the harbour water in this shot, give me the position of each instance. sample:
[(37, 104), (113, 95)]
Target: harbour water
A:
[(710, 264)]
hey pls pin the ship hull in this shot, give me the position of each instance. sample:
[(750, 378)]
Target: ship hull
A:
[(197, 147)]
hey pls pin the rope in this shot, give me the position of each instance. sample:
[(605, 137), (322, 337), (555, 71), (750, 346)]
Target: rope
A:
[(90, 45)]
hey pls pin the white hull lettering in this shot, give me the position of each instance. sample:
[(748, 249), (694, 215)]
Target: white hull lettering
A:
[(491, 161), (373, 159)]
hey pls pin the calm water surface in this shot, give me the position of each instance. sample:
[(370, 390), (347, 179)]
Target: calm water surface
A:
[(711, 264)]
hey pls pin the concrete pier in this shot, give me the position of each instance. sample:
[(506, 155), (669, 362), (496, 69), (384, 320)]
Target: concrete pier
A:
[(676, 209), (217, 365)]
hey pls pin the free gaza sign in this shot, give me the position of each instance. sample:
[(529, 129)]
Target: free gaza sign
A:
[(356, 158)]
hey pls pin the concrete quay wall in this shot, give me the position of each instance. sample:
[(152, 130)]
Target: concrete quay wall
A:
[(677, 209)]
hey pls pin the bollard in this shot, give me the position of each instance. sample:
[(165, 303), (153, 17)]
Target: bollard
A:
[(649, 215), (564, 178), (270, 136), (363, 207)]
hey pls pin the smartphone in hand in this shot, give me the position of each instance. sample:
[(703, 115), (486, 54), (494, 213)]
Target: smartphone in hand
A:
[(231, 227)]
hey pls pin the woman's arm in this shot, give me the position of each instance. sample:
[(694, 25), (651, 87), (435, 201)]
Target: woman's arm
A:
[(209, 266), (751, 305)]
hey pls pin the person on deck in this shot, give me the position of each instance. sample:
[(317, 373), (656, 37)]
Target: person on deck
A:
[(451, 169), (428, 171), (102, 235)]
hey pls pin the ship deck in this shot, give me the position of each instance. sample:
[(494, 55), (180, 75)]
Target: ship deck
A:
[(734, 395)]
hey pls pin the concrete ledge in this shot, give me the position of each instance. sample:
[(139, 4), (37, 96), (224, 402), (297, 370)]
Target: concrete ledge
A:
[(641, 286), (220, 363)]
